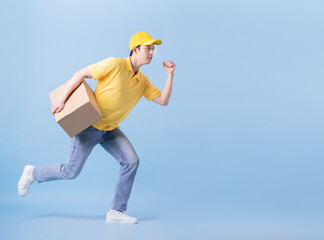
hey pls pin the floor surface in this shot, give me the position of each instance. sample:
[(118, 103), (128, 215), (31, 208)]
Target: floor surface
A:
[(77, 217)]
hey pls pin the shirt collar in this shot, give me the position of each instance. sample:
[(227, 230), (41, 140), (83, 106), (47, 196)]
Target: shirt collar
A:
[(129, 66)]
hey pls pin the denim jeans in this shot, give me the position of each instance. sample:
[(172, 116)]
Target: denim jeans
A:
[(114, 142)]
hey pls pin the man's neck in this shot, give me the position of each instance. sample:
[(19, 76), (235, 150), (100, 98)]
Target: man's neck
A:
[(135, 64)]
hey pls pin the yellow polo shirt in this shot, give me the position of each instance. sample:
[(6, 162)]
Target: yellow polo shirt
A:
[(118, 90)]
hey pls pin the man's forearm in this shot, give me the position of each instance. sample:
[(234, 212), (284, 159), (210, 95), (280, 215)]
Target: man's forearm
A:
[(75, 81), (167, 90), (71, 85)]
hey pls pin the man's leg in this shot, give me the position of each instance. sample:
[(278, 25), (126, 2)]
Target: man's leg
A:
[(118, 145), (81, 146)]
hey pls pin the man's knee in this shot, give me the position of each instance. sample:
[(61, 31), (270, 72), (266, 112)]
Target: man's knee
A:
[(68, 172), (133, 162), (71, 175)]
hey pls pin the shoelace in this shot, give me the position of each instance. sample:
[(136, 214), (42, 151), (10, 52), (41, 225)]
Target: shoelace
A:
[(27, 181), (124, 214)]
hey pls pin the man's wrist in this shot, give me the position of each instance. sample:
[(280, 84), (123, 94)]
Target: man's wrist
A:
[(171, 74), (63, 98)]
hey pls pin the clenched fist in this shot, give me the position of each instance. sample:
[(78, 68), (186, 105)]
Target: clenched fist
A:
[(169, 66)]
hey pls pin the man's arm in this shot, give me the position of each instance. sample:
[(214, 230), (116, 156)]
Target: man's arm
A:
[(164, 98), (72, 84)]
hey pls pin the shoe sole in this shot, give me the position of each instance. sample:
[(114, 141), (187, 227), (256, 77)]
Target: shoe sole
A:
[(118, 221)]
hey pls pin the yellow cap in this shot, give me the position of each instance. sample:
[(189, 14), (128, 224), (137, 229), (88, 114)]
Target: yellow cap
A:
[(143, 38)]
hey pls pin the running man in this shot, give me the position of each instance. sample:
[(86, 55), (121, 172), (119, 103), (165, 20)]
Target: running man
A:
[(120, 86)]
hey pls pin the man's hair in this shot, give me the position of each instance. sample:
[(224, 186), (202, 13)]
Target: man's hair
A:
[(131, 52)]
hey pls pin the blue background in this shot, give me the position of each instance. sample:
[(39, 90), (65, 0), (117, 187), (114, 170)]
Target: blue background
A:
[(237, 154)]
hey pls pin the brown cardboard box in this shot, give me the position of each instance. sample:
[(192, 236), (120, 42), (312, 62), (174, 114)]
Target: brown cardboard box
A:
[(81, 109)]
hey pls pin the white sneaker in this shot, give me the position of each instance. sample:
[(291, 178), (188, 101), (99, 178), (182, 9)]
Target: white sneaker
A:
[(25, 180), (120, 217)]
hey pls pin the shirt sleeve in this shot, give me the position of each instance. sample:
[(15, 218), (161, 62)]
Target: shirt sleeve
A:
[(102, 68), (150, 91)]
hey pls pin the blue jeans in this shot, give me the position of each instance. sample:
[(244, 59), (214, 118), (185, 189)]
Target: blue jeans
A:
[(114, 142)]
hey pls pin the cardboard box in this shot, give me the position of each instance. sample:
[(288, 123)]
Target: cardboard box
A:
[(81, 109)]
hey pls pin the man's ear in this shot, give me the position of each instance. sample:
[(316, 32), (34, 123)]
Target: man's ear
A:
[(135, 49)]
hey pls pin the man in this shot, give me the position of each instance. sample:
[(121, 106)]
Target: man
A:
[(120, 86)]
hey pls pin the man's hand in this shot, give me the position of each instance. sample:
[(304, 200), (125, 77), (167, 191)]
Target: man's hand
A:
[(56, 108), (169, 66), (72, 84)]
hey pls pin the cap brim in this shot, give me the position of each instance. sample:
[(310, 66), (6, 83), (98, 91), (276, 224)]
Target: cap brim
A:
[(153, 41)]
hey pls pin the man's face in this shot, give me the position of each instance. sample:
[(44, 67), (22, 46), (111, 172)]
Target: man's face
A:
[(145, 54)]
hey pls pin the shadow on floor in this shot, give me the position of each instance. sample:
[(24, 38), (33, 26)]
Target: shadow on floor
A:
[(84, 216), (71, 216), (147, 219)]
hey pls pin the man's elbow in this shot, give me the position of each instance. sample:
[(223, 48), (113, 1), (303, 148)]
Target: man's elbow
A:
[(164, 103), (84, 73)]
